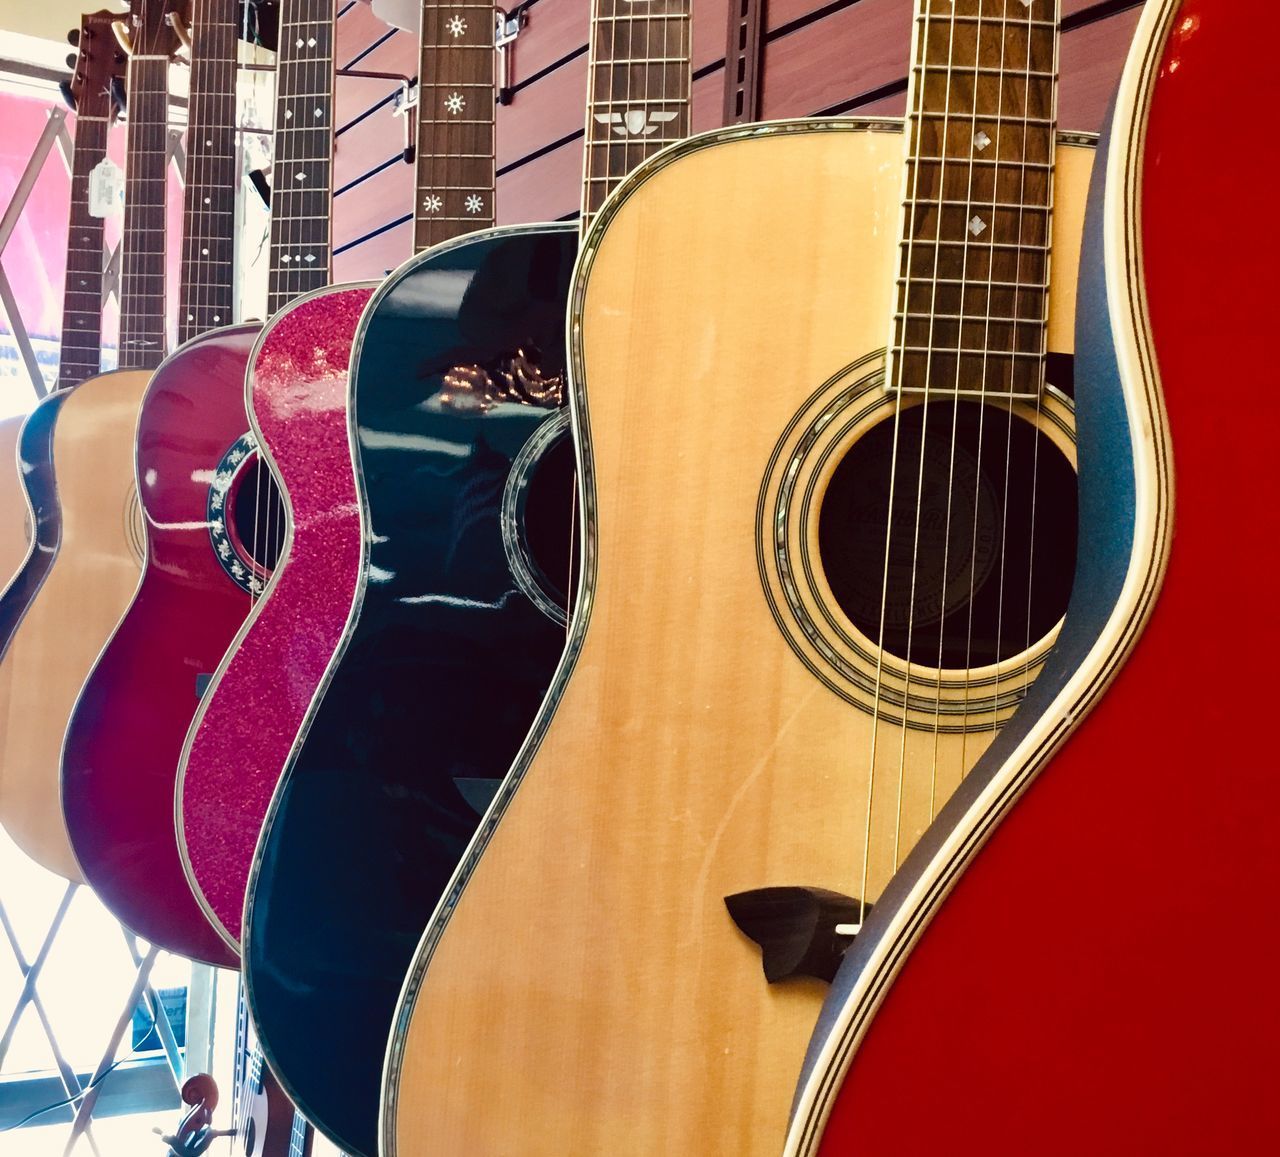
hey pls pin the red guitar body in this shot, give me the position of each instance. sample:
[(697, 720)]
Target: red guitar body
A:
[(1102, 976), (120, 755)]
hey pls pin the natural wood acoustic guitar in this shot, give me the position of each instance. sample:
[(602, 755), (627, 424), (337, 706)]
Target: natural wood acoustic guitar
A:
[(1084, 959), (819, 577), (26, 445), (96, 568)]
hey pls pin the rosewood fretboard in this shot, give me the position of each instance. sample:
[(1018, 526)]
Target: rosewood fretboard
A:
[(207, 273), (638, 84), (301, 172), (973, 285), (142, 257), (455, 156), (81, 355)]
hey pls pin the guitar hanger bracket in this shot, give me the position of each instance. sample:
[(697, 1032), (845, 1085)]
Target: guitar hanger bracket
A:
[(506, 27), (403, 101)]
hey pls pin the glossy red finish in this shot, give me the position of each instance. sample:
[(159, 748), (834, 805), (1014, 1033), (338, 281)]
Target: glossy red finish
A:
[(121, 753), (1103, 979)]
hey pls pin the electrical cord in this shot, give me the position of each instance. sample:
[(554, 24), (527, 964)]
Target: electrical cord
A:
[(91, 1085)]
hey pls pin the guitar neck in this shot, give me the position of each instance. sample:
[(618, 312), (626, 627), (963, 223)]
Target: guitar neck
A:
[(142, 256), (205, 294), (82, 295), (455, 151), (974, 276), (301, 185), (638, 90)]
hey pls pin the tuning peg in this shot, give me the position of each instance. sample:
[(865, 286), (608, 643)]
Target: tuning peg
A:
[(71, 60), (73, 38), (118, 95), (64, 87)]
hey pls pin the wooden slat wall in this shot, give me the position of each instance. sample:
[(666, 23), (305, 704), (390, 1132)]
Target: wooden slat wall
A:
[(837, 56)]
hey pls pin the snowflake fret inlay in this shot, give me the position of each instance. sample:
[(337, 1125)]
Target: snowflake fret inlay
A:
[(456, 27), (474, 204), (454, 103), (431, 203)]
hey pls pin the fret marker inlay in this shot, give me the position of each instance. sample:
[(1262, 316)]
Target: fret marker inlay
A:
[(457, 27), (981, 141), (977, 225), (635, 122), (455, 102), (431, 203), (474, 204)]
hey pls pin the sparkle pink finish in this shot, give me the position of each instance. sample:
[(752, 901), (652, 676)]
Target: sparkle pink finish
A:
[(120, 755), (251, 715)]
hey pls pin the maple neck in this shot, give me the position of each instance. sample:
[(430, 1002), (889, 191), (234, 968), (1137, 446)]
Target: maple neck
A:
[(302, 171), (638, 88), (973, 280), (82, 296), (142, 256), (210, 176), (456, 101)]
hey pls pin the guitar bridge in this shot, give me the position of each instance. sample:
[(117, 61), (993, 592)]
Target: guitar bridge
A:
[(800, 931)]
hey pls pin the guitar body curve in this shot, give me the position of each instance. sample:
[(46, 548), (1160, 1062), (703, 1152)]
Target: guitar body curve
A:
[(86, 589), (584, 989), (15, 511), (248, 719), (1057, 991), (440, 670), (35, 502), (120, 757)]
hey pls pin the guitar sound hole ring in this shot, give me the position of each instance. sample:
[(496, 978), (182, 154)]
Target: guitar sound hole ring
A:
[(229, 494), (820, 631), (526, 479)]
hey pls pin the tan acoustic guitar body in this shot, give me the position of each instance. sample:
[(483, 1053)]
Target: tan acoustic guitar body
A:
[(15, 519), (84, 595), (710, 731)]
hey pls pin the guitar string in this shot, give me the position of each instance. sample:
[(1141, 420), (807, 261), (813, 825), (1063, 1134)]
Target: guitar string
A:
[(925, 412), (998, 145), (955, 423), (1014, 331), (1046, 237), (1011, 415), (914, 124)]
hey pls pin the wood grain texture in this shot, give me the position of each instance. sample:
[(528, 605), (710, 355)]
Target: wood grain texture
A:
[(83, 597), (588, 990)]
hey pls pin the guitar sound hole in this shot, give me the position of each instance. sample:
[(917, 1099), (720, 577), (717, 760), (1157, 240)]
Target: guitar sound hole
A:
[(550, 535), (257, 517), (980, 559)]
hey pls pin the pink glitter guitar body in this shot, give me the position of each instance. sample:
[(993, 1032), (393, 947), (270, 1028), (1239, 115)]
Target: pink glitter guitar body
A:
[(248, 719)]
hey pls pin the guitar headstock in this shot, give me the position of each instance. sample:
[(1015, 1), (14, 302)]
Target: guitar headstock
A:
[(148, 31), (96, 66)]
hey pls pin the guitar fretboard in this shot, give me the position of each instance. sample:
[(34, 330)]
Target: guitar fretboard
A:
[(207, 272), (455, 155), (142, 260), (973, 285), (301, 172), (638, 85), (82, 296)]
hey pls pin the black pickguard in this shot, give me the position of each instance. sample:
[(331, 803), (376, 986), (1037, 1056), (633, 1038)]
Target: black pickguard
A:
[(461, 359)]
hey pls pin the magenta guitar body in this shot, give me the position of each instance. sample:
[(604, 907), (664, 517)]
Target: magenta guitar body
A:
[(120, 756), (248, 720)]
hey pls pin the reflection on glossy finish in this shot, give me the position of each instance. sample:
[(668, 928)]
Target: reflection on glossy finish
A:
[(120, 758), (32, 474), (441, 672), (249, 717)]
